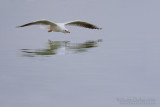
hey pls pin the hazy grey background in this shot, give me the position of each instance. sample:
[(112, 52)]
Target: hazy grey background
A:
[(125, 65)]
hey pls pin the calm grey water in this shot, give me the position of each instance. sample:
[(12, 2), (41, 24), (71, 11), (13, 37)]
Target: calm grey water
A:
[(115, 66)]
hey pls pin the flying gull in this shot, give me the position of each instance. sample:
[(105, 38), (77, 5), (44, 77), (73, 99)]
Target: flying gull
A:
[(60, 27)]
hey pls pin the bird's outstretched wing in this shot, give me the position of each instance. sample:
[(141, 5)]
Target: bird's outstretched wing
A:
[(82, 24), (40, 22)]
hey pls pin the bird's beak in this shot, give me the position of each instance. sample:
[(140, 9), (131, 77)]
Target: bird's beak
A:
[(68, 32)]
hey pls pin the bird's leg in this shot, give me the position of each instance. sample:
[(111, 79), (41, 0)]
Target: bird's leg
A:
[(50, 31)]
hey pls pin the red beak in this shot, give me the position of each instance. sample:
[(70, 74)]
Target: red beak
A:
[(68, 31)]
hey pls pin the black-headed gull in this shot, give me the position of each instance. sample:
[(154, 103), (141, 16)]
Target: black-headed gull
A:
[(60, 27)]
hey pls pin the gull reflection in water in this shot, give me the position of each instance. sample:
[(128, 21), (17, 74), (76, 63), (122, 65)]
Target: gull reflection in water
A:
[(61, 48)]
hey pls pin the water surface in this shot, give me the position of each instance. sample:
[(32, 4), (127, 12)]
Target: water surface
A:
[(87, 68)]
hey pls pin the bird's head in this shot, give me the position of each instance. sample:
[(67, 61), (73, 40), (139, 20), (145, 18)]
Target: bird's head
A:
[(66, 31)]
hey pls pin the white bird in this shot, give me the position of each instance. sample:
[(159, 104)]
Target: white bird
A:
[(60, 27)]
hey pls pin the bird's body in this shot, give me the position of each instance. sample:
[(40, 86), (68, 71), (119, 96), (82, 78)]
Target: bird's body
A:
[(60, 27)]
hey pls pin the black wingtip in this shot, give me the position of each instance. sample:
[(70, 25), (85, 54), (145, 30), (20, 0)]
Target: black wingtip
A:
[(98, 28)]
